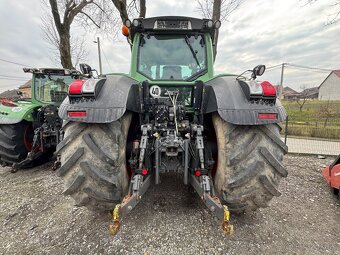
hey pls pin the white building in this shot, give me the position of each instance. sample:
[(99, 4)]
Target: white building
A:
[(330, 87)]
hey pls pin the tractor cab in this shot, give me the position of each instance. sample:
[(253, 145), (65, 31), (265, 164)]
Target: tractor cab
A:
[(171, 48), (34, 125), (50, 85)]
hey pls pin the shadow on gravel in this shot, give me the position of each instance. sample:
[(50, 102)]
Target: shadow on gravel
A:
[(35, 218)]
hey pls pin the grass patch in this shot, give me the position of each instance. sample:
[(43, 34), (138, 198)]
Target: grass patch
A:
[(313, 120)]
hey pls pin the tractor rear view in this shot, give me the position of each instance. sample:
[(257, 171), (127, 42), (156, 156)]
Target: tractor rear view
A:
[(171, 114), (30, 128)]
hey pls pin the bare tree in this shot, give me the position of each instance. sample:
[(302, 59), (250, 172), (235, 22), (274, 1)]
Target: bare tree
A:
[(78, 49), (326, 111), (130, 9), (100, 15), (334, 17), (217, 10), (301, 99)]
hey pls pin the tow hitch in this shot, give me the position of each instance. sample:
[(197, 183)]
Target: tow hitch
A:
[(198, 179), (138, 187)]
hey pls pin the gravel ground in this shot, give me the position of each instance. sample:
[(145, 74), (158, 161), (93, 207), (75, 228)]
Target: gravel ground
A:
[(36, 218)]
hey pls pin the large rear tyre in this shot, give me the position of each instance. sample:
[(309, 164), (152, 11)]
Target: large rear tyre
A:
[(93, 163), (15, 142), (249, 166)]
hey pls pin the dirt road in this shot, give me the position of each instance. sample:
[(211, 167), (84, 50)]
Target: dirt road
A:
[(35, 218)]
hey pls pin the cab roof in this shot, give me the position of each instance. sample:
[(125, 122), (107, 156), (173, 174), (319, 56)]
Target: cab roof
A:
[(52, 71), (171, 25)]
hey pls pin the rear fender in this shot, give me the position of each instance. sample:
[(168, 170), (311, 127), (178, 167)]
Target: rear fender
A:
[(224, 95), (118, 93), (22, 111)]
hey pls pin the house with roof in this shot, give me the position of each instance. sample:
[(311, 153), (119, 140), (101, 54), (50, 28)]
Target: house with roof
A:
[(26, 89), (290, 94), (9, 95), (310, 93), (329, 89), (286, 93)]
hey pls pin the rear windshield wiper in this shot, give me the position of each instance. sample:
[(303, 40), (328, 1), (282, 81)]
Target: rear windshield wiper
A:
[(192, 50)]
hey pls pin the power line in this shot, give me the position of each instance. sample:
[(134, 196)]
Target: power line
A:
[(306, 70), (274, 69), (11, 62), (289, 65), (13, 79), (111, 69), (11, 76), (9, 84), (308, 67), (271, 67)]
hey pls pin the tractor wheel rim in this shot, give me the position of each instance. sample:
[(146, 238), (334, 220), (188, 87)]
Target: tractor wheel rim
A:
[(27, 140)]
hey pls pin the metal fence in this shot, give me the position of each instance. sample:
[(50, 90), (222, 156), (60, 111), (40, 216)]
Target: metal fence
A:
[(312, 135)]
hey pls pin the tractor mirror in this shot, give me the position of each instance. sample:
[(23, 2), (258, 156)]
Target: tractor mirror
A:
[(259, 70), (85, 68)]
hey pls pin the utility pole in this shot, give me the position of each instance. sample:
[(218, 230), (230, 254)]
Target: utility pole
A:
[(99, 56), (281, 82)]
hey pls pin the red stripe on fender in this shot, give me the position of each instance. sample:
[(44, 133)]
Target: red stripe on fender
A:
[(76, 114), (267, 116)]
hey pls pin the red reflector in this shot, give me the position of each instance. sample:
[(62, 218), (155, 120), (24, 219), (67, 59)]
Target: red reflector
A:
[(198, 173), (75, 87), (267, 116), (268, 89), (9, 104), (76, 114), (144, 171)]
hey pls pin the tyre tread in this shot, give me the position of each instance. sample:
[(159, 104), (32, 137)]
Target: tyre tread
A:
[(76, 183), (277, 166), (90, 142), (91, 176), (252, 167), (70, 162)]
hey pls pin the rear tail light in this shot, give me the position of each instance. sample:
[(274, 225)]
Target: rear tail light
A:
[(270, 116), (76, 87), (89, 86), (86, 88), (268, 89), (255, 88), (77, 114), (255, 91), (9, 104)]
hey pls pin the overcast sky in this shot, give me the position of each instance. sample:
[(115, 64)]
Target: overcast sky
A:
[(260, 32)]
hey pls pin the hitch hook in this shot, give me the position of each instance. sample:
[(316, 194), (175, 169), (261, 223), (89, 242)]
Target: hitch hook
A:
[(227, 227), (114, 228)]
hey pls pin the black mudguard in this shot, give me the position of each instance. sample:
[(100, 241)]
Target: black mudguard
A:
[(222, 94), (225, 95), (111, 103)]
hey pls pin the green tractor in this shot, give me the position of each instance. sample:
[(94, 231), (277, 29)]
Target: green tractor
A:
[(171, 114), (30, 128)]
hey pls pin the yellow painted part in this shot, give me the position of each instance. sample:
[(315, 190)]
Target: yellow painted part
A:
[(114, 228), (228, 228), (115, 214), (226, 214)]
